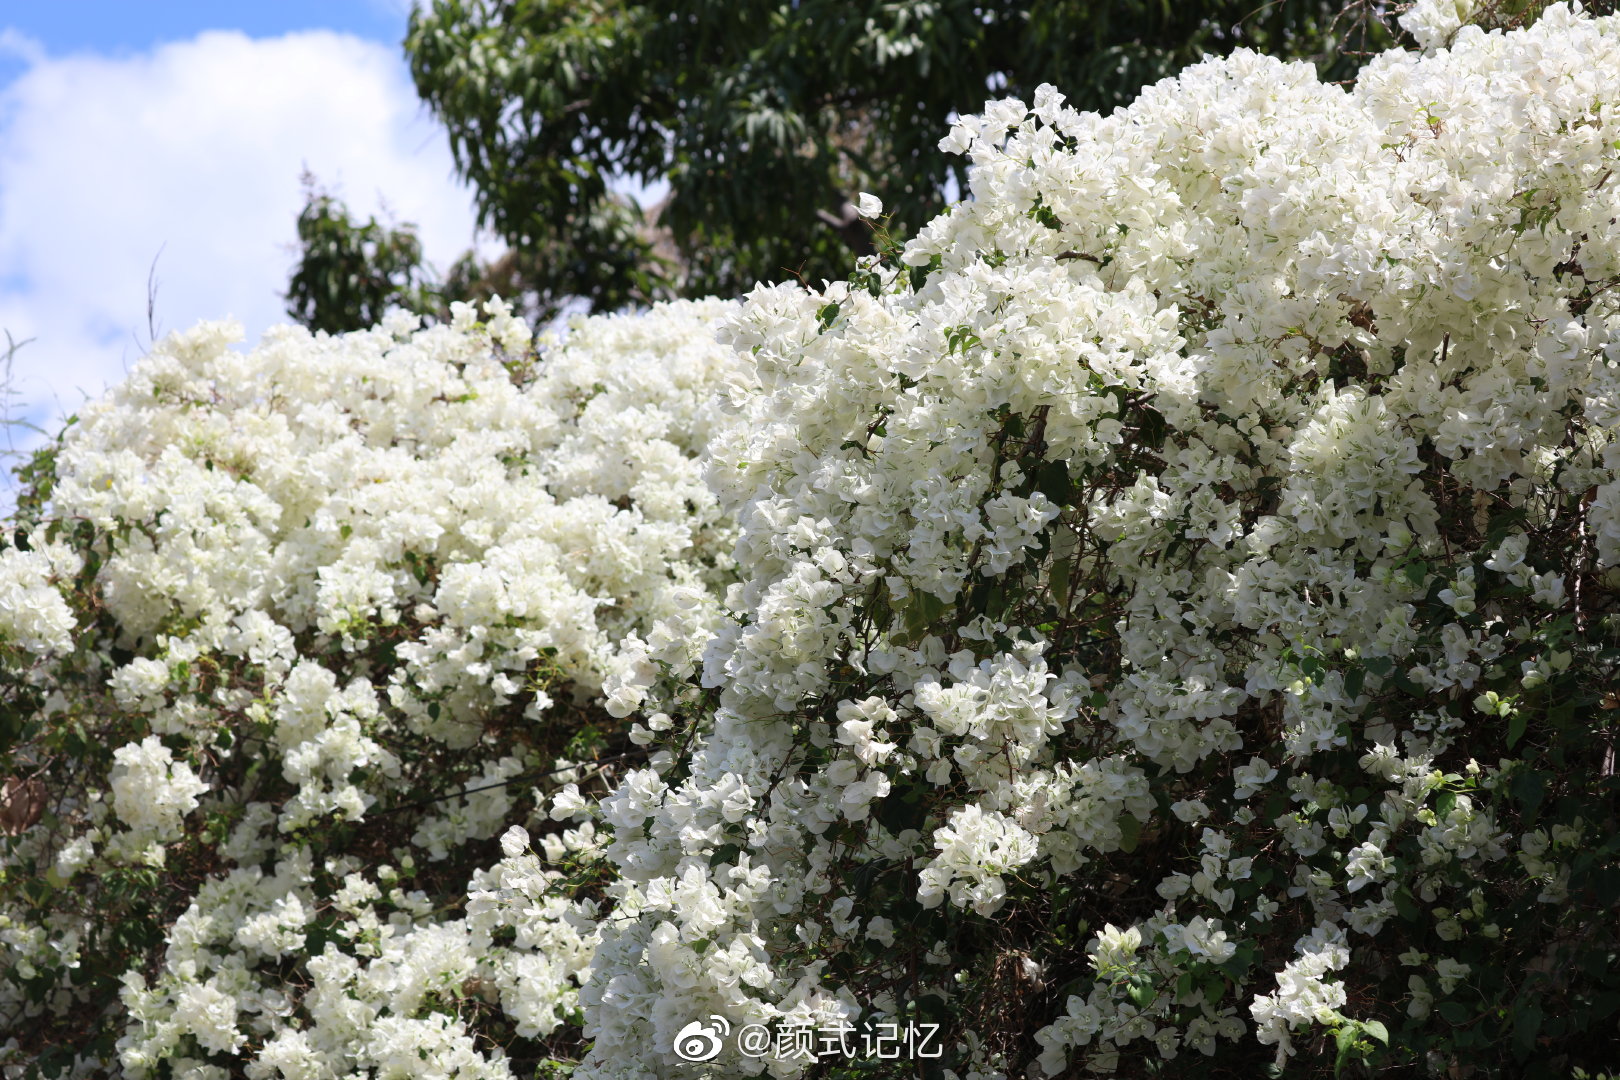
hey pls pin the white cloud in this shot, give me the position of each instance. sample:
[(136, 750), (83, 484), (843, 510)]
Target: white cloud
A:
[(20, 46), (194, 151)]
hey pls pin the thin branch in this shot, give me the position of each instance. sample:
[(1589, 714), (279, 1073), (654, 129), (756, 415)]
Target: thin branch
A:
[(151, 297), (508, 782)]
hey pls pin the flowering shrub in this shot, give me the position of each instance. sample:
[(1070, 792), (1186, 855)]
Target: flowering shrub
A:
[(302, 631), (1177, 605), (1161, 621)]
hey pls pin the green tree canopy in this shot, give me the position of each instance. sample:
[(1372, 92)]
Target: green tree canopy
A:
[(349, 274), (764, 117)]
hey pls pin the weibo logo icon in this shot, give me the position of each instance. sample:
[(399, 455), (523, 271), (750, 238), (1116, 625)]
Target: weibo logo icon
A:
[(698, 1041)]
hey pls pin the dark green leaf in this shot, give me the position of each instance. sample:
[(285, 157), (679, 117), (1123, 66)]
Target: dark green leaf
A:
[(1454, 1012), (1526, 1026), (1130, 830), (1353, 681)]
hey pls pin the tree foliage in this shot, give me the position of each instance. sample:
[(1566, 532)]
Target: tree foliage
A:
[(764, 118), (349, 274)]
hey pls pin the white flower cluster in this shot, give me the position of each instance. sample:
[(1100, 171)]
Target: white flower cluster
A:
[(1144, 516), (1433, 23), (33, 614), (152, 792), (349, 594), (1162, 538), (1302, 997)]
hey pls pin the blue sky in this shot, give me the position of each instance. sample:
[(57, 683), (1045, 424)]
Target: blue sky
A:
[(122, 27), (165, 141)]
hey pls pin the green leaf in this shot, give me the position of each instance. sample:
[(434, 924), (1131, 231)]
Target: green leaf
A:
[(1053, 481), (903, 808), (922, 614), (1404, 683), (1526, 1026), (1130, 831), (1377, 1030), (1061, 569), (1353, 681), (1152, 428), (1517, 722), (1454, 1012), (1345, 1037)]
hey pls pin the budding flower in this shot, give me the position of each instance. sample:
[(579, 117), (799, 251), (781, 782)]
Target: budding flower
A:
[(868, 206)]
